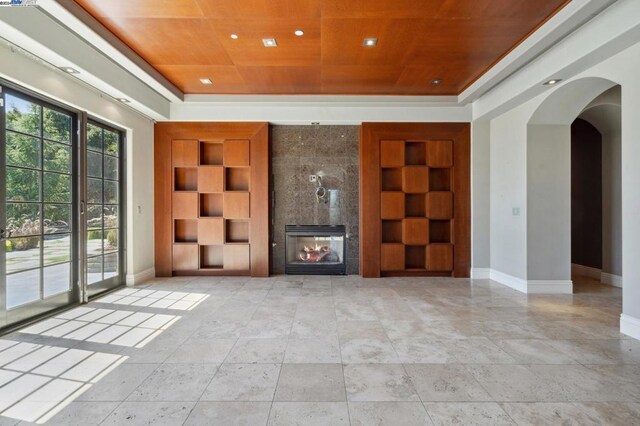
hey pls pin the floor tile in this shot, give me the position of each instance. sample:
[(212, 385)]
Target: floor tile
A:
[(309, 414), (243, 382), (368, 351), (150, 413), (229, 413), (388, 414), (318, 350), (198, 350), (468, 414), (378, 382), (435, 382), (120, 383), (311, 382), (175, 382), (263, 351)]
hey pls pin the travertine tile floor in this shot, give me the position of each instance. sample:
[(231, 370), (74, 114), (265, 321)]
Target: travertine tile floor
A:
[(348, 351)]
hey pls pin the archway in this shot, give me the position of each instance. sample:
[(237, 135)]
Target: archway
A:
[(549, 182)]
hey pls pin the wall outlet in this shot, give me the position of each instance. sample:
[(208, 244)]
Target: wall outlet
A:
[(313, 178), (516, 211)]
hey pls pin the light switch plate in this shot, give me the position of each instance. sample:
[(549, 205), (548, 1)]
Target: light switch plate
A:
[(516, 211), (313, 178)]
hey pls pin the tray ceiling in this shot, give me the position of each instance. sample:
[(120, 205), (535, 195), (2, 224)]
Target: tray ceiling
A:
[(418, 41)]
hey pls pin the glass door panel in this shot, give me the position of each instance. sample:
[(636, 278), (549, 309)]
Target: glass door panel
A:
[(36, 213), (104, 255)]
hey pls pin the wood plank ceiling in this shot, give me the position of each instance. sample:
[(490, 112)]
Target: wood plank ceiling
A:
[(419, 41)]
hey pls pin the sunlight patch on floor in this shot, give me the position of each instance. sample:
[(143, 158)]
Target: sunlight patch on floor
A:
[(177, 300)]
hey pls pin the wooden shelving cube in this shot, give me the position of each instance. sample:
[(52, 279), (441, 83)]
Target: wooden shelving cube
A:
[(391, 231), (211, 205), (392, 205), (236, 153), (391, 153), (414, 258), (211, 257), (392, 257), (185, 205), (236, 205), (184, 153), (236, 179), (414, 205), (439, 179), (439, 231), (440, 153), (391, 179), (185, 257), (185, 179), (211, 153), (415, 179), (415, 154), (210, 232), (415, 231), (236, 257), (185, 231), (440, 205), (440, 257), (210, 179), (237, 231)]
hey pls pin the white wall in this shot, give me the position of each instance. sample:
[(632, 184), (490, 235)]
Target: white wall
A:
[(549, 202), (480, 198), (29, 73)]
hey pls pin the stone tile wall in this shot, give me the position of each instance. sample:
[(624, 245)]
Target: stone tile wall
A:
[(300, 151)]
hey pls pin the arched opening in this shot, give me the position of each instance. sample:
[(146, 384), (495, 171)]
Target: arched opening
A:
[(549, 155), (597, 193)]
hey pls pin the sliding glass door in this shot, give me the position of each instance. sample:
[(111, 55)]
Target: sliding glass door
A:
[(104, 208), (38, 156)]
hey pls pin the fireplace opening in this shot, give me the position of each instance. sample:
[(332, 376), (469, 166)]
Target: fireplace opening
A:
[(315, 250)]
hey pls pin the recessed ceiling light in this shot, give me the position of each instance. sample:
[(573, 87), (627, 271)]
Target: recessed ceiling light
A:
[(124, 100), (70, 70), (234, 36), (269, 42), (552, 82), (370, 42), (206, 81), (299, 33), (436, 81)]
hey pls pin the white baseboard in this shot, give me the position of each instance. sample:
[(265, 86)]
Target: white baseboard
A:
[(630, 326), (480, 273), (508, 280), (585, 271), (550, 287), (141, 277), (611, 279), (533, 286)]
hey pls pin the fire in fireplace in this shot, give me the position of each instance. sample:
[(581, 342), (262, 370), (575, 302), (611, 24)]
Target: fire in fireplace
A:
[(315, 250)]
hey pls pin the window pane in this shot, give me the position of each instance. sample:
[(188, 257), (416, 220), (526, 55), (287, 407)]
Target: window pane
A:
[(22, 253), (94, 217), (57, 218), (22, 116), (94, 164), (111, 167), (94, 243), (94, 270), (94, 191), (23, 151), (23, 288), (23, 219), (57, 126), (57, 248), (110, 192), (110, 266), (111, 140), (57, 188), (111, 216), (111, 240), (23, 185), (94, 137), (57, 157), (57, 279)]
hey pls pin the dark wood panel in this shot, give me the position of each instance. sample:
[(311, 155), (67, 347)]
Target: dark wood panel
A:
[(442, 193)]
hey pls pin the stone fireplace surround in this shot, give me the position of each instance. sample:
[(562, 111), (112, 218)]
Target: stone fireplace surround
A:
[(300, 151)]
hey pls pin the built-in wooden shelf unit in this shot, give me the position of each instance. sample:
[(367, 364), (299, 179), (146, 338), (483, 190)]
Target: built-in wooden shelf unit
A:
[(212, 214), (415, 198)]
